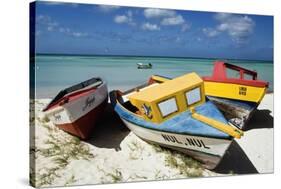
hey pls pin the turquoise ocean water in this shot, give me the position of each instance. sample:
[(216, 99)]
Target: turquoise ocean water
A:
[(55, 72)]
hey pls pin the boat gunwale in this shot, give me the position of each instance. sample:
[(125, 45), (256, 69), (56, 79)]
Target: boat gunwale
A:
[(219, 75), (246, 82), (80, 92), (128, 111)]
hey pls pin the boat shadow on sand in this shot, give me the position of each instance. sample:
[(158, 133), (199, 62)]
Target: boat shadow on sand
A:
[(112, 128), (234, 161), (261, 119)]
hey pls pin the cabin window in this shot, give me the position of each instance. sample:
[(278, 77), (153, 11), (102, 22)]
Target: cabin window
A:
[(193, 96), (168, 107)]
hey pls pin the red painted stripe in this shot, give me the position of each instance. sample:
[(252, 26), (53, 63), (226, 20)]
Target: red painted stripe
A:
[(70, 97), (220, 75), (83, 127)]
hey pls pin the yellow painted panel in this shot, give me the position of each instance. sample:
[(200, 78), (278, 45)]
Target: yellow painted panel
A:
[(147, 100), (159, 78), (167, 88), (155, 113), (234, 132), (234, 91)]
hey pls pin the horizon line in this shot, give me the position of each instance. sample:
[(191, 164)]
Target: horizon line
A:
[(155, 56)]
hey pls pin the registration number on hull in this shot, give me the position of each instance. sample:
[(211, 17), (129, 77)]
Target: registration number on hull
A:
[(189, 141)]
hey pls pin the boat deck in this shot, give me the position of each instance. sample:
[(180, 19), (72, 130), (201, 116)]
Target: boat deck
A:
[(182, 123)]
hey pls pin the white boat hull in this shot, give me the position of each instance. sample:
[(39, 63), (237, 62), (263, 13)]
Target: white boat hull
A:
[(72, 111), (205, 149), (79, 116)]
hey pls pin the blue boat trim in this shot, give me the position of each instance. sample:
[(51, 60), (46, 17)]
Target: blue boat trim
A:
[(182, 123)]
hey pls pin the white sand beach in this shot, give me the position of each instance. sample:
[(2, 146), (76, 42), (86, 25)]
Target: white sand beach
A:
[(114, 154), (258, 143)]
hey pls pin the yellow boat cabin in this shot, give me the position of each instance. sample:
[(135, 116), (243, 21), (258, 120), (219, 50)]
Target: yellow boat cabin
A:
[(160, 101), (163, 99)]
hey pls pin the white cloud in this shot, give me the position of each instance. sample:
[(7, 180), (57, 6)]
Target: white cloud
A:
[(38, 32), (51, 3), (79, 34), (108, 8), (185, 27), (239, 28), (50, 25), (178, 39), (222, 16), (210, 32), (158, 13), (222, 27), (150, 27), (47, 22), (70, 32), (74, 5), (171, 39), (130, 14), (61, 29), (166, 17), (43, 19), (176, 20), (50, 28), (125, 19), (119, 19), (199, 39)]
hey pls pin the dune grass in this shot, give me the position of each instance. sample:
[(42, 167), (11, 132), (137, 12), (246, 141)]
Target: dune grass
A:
[(183, 163), (70, 181), (60, 149), (136, 150), (116, 176)]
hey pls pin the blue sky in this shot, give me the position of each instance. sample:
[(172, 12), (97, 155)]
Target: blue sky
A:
[(113, 30)]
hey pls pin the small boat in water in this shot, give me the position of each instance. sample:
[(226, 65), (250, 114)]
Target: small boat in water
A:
[(144, 66), (77, 108), (236, 91), (175, 113)]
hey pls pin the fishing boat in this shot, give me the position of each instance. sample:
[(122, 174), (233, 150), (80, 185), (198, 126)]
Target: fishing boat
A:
[(76, 109), (175, 113), (236, 91), (144, 66)]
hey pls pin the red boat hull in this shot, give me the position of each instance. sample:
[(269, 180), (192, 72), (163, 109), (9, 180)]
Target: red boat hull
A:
[(76, 109), (84, 126)]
